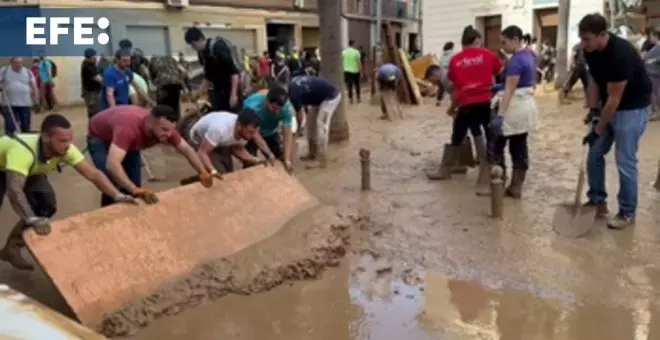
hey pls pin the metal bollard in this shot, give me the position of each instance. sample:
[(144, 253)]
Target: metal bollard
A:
[(657, 179), (496, 192), (365, 162)]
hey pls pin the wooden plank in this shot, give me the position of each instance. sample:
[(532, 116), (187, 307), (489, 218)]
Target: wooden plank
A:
[(105, 259), (409, 79)]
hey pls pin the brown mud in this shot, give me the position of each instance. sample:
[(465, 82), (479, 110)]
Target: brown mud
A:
[(425, 260), (301, 250)]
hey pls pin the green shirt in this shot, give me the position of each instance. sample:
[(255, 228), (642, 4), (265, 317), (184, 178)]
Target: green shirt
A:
[(351, 60), (15, 157)]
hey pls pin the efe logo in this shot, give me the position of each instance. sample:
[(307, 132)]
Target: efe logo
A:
[(35, 29)]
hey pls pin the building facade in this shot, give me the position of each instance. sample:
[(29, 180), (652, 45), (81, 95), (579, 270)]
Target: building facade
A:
[(157, 27), (359, 22), (445, 20)]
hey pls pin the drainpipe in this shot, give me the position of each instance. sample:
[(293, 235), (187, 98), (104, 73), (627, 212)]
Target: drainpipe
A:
[(379, 25)]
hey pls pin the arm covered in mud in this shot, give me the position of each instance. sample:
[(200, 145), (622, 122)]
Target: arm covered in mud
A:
[(16, 195)]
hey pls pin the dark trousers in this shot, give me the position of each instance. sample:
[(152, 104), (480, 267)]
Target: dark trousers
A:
[(92, 99), (352, 81), (22, 115), (220, 100), (274, 143), (132, 165), (474, 118), (170, 95), (577, 74), (440, 94), (38, 191), (518, 150)]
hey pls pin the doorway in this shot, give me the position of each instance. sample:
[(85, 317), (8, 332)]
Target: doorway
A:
[(546, 24), (279, 35), (412, 42), (492, 28)]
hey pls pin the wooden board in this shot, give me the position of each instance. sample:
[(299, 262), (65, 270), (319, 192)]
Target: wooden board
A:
[(409, 78), (104, 259)]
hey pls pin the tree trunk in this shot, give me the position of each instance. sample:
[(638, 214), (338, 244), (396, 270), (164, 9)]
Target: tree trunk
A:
[(330, 36), (562, 44)]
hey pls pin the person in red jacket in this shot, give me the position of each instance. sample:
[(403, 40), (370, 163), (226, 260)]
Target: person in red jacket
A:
[(472, 72)]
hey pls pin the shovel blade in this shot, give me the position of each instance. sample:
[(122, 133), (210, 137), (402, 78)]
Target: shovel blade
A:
[(571, 222)]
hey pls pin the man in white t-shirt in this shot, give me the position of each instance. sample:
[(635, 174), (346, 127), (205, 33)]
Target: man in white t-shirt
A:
[(219, 135)]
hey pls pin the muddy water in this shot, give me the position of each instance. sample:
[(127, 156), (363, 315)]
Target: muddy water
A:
[(429, 263)]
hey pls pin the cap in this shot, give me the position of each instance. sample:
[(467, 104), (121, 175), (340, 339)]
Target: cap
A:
[(90, 52)]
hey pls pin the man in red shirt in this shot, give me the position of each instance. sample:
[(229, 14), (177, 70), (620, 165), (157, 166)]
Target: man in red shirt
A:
[(118, 134), (471, 72), (264, 65)]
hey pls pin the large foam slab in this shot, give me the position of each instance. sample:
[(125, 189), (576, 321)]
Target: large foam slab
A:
[(104, 259)]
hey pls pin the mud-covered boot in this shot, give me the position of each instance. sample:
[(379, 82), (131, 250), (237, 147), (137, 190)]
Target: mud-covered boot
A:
[(483, 179), (466, 154), (11, 252), (449, 158), (516, 186)]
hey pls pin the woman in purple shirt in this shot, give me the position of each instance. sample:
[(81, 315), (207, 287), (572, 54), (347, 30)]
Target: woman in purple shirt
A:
[(517, 114)]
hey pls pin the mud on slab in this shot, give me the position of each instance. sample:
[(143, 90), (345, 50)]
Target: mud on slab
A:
[(301, 250)]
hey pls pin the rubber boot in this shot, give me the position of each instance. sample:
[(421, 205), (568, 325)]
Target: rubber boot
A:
[(483, 180), (467, 156), (516, 186), (449, 158), (11, 252)]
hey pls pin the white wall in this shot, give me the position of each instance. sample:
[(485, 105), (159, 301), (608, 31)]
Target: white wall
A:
[(444, 20)]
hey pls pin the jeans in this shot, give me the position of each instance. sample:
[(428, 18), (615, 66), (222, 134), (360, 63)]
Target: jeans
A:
[(472, 117), (274, 143), (22, 115), (132, 165), (579, 73), (170, 95), (625, 130)]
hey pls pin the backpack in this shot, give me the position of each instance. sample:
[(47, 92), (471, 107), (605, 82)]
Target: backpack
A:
[(53, 68), (165, 71), (245, 79)]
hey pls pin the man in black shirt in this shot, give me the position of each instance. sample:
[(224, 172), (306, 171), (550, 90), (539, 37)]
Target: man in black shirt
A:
[(91, 80), (219, 70), (622, 88)]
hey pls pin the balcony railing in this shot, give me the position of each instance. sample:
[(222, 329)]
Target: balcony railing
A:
[(392, 9)]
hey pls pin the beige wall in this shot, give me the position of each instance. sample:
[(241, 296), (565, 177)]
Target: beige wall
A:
[(67, 86)]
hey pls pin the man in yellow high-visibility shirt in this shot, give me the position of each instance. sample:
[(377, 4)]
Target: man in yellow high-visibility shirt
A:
[(25, 160), (351, 63)]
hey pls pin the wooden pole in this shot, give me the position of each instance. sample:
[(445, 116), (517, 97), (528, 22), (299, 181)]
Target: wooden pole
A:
[(365, 163), (496, 192)]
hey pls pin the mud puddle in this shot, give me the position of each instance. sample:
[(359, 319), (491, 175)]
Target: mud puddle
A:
[(352, 303)]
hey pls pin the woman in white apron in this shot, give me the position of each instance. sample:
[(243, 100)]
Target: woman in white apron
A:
[(517, 114)]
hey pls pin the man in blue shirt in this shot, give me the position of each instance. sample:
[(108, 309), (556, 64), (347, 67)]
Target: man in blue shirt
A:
[(322, 98), (388, 76), (47, 76), (273, 109), (117, 80)]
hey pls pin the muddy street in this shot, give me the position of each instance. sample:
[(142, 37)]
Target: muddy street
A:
[(425, 260)]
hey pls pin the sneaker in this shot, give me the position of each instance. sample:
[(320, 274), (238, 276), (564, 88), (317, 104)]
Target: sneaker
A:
[(601, 208), (620, 221)]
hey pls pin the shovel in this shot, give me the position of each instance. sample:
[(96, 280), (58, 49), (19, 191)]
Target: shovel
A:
[(571, 218)]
